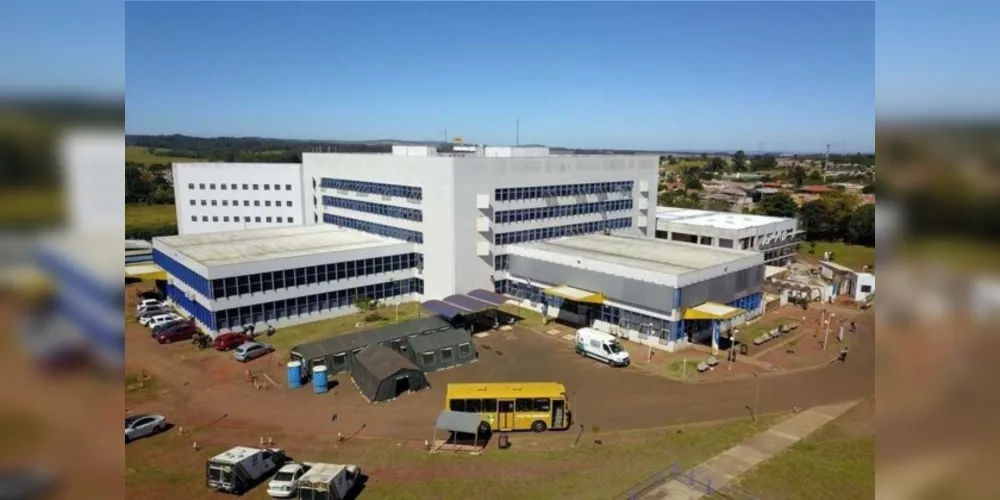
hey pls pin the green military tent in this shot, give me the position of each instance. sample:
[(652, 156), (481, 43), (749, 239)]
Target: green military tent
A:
[(441, 349), (382, 374)]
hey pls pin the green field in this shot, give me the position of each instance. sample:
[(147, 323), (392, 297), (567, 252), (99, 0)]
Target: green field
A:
[(32, 207), (145, 216), (853, 256), (141, 155), (836, 462)]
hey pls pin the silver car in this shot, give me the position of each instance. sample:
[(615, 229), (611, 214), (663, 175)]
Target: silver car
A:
[(250, 351), (140, 426)]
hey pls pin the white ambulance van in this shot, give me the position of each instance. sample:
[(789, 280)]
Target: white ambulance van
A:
[(601, 346)]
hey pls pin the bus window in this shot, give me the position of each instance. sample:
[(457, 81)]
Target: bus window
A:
[(489, 406), (522, 406), (473, 405), (542, 405), (458, 405)]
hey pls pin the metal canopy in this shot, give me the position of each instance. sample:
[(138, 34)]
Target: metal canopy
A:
[(468, 303), (444, 309), (487, 296)]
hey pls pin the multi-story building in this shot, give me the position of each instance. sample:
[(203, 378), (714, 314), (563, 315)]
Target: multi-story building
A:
[(775, 237), (212, 197)]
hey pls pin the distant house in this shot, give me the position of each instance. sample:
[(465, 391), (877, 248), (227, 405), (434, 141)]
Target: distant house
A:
[(815, 189)]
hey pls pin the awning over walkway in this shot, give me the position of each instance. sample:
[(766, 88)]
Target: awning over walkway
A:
[(712, 310), (575, 294), (487, 296), (444, 309), (453, 421)]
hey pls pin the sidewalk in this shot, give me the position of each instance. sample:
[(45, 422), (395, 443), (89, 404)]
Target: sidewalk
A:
[(736, 461)]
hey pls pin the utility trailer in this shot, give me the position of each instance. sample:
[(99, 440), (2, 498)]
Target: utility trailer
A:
[(241, 468), (328, 482)]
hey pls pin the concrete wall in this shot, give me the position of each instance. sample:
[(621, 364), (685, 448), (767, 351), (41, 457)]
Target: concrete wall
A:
[(189, 177)]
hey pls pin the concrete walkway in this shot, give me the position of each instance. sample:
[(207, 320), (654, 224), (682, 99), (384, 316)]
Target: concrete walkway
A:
[(738, 460)]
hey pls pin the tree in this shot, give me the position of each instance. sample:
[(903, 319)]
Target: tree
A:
[(694, 184), (716, 165), (680, 198), (739, 161), (815, 176), (717, 205), (861, 225), (798, 176), (764, 162), (869, 189), (827, 218), (690, 173), (813, 217), (778, 205), (364, 303)]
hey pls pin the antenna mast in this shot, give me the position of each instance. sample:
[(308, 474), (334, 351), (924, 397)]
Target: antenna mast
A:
[(517, 138), (826, 159)]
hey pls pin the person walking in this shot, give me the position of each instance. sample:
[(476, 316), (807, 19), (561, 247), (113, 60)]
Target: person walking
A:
[(840, 334), (843, 355)]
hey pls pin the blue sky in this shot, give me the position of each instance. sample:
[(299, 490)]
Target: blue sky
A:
[(745, 75)]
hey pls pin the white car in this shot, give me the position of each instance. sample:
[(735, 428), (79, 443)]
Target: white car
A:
[(148, 303), (162, 319), (140, 426), (286, 482)]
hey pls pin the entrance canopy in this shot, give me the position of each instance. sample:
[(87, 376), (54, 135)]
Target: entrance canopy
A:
[(575, 294), (461, 304), (712, 310)]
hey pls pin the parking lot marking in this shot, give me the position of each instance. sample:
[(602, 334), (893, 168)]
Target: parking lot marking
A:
[(567, 337), (553, 332)]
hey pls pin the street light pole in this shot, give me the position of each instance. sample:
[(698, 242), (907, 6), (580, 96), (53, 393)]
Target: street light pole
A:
[(649, 342), (756, 397)]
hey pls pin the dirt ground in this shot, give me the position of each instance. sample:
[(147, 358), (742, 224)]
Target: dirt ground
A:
[(204, 392)]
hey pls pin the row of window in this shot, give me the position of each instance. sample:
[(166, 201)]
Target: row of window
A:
[(234, 186), (300, 306), (373, 228), (409, 192), (374, 208), (529, 193), (246, 219), (527, 214), (276, 280), (500, 262), (489, 405), (246, 203), (609, 314), (546, 233)]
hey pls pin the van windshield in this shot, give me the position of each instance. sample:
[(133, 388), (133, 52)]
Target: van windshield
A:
[(615, 347)]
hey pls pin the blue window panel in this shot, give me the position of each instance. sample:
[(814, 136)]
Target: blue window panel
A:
[(529, 214), (409, 192), (191, 307), (374, 208), (534, 192), (529, 235), (183, 274), (373, 228), (281, 309)]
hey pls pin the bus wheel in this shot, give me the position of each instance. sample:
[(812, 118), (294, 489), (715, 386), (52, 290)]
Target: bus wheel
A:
[(538, 426), (484, 429)]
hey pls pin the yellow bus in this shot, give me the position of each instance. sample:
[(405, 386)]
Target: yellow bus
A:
[(512, 407)]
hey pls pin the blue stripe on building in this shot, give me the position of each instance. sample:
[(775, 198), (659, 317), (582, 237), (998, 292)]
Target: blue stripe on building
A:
[(181, 273)]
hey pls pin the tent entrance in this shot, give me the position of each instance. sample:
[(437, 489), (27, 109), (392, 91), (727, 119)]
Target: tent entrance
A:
[(402, 385)]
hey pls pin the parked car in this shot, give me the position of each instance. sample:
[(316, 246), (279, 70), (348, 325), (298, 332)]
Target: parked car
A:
[(149, 312), (230, 341), (285, 483), (186, 332), (140, 426), (162, 319), (148, 303), (251, 351), (170, 325)]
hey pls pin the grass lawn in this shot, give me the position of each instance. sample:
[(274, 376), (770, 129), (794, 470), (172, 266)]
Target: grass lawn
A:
[(142, 216), (961, 255), (766, 324), (836, 462), (30, 207), (554, 470), (291, 336), (138, 390), (529, 318), (140, 154), (853, 256)]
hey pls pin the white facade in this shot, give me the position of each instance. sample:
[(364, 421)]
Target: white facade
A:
[(212, 197), (457, 204), (776, 237)]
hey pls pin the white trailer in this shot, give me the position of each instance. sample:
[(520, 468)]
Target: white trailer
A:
[(601, 346), (241, 468), (328, 482)]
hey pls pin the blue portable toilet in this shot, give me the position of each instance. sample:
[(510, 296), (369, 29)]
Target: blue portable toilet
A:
[(294, 375), (320, 383)]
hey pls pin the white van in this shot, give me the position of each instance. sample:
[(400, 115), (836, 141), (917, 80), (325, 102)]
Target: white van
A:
[(601, 346)]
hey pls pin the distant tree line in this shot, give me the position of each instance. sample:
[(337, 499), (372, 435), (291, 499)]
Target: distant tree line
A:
[(148, 185), (244, 149), (834, 216)]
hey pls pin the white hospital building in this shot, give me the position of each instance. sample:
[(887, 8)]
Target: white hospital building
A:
[(574, 236)]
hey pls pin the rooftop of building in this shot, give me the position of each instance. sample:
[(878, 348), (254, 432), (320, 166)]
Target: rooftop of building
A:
[(722, 220), (253, 245), (650, 254)]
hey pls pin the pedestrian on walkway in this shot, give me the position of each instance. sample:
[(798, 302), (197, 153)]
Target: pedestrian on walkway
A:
[(840, 334), (854, 327), (843, 355)]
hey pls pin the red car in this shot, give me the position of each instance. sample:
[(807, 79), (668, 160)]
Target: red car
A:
[(186, 332), (230, 341)]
